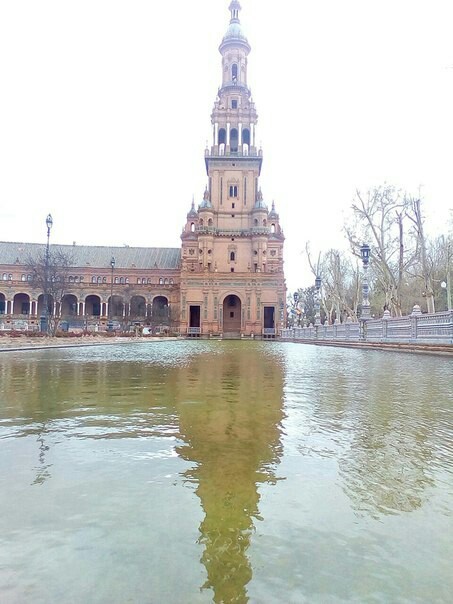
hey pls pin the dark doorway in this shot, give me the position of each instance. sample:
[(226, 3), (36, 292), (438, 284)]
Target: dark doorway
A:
[(195, 316), (269, 317), (232, 315)]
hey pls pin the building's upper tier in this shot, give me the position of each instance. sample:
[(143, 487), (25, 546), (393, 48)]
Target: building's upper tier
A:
[(234, 35), (234, 115)]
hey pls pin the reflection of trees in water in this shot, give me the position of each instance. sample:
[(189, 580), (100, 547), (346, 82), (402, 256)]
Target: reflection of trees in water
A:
[(230, 424), (385, 432)]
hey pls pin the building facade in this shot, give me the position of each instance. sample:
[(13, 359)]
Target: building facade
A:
[(226, 279)]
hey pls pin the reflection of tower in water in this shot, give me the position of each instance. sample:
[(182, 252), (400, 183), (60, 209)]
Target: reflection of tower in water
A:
[(230, 418)]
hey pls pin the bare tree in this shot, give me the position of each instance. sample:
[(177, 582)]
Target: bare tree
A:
[(379, 220), (51, 278), (425, 261)]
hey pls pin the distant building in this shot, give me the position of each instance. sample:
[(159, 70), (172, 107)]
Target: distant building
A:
[(227, 278)]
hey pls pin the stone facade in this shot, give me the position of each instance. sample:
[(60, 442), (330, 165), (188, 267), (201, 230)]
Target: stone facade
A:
[(227, 278)]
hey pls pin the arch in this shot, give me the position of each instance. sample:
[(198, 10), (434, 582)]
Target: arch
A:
[(264, 223), (232, 256), (201, 222), (117, 306), (93, 305), (246, 137), (21, 304), (210, 222), (232, 310), (255, 222), (192, 227), (160, 311), (222, 136), (69, 304), (2, 304), (234, 140), (273, 228), (234, 72), (138, 307)]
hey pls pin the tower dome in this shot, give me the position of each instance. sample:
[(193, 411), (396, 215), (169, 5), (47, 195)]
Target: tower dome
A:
[(234, 34)]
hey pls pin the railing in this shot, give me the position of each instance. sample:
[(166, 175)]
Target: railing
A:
[(194, 331), (269, 331), (244, 232), (420, 328)]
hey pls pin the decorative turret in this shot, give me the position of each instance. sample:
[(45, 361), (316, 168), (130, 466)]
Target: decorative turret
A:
[(234, 115)]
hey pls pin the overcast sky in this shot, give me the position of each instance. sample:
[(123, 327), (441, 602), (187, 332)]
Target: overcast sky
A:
[(105, 113)]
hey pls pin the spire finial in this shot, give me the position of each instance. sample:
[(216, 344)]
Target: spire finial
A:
[(234, 8)]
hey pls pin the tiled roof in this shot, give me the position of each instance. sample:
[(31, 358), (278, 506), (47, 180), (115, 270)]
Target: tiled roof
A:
[(95, 256)]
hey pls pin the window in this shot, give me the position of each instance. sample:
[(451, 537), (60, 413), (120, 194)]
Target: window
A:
[(232, 269), (232, 257), (232, 206), (93, 279), (117, 280), (139, 281), (234, 104), (234, 72)]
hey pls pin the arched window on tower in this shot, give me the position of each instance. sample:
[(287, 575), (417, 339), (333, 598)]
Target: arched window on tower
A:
[(232, 256), (234, 72), (192, 227), (245, 141), (234, 141), (222, 141), (272, 228)]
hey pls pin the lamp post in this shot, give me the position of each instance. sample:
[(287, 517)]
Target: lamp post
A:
[(365, 253), (110, 322), (318, 301), (296, 308), (44, 319)]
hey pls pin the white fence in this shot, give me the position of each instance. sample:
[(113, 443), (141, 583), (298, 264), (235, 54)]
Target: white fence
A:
[(416, 328)]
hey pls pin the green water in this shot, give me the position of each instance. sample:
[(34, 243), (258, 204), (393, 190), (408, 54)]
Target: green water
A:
[(186, 472)]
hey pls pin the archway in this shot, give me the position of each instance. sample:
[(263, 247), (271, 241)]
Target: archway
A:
[(160, 311), (2, 304), (21, 304), (93, 306), (232, 314), (138, 307), (68, 306), (117, 306)]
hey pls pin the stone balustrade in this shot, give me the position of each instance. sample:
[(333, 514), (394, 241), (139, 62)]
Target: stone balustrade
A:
[(420, 328)]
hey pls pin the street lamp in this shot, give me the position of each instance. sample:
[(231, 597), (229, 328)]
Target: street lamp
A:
[(296, 301), (365, 254), (44, 319), (110, 322), (318, 301)]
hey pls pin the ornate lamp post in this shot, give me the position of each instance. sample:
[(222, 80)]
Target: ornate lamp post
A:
[(318, 301), (110, 322), (365, 253), (44, 319), (296, 301)]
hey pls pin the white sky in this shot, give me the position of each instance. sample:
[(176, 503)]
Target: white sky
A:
[(105, 113)]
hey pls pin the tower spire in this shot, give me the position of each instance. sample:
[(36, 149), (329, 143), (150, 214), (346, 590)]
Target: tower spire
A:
[(234, 8)]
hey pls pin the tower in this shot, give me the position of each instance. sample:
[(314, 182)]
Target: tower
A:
[(232, 280)]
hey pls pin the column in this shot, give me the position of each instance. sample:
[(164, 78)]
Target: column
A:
[(216, 133), (228, 135)]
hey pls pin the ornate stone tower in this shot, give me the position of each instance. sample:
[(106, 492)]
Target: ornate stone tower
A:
[(232, 280)]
